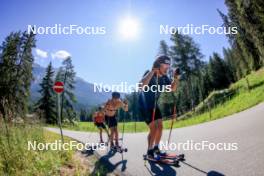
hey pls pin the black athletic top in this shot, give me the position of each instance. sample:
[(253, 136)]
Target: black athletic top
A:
[(147, 99)]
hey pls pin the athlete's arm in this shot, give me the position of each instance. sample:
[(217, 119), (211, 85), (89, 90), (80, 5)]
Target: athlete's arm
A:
[(124, 105), (106, 105), (146, 79), (175, 82)]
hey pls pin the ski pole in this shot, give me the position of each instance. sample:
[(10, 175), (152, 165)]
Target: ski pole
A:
[(177, 71), (155, 102), (172, 119), (123, 130), (135, 123)]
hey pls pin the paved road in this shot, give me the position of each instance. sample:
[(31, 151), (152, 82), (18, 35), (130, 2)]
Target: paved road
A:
[(245, 128)]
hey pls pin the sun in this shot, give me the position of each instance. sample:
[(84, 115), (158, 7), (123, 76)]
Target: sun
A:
[(129, 28)]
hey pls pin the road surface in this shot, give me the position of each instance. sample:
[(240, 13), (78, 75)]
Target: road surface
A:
[(244, 130)]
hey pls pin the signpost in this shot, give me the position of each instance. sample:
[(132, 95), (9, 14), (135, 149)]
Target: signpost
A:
[(59, 88)]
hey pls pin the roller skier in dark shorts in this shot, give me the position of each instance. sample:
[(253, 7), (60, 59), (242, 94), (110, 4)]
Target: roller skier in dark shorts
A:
[(148, 100), (111, 108)]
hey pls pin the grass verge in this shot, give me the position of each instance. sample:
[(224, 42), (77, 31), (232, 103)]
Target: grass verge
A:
[(17, 159)]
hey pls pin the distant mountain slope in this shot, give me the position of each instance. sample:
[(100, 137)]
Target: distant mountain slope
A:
[(86, 97)]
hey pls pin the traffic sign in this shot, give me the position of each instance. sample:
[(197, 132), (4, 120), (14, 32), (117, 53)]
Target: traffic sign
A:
[(58, 87)]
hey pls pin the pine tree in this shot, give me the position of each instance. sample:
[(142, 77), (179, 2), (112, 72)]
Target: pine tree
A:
[(237, 45), (66, 74), (83, 115), (47, 101), (251, 19), (217, 72), (205, 82), (231, 64), (248, 44), (187, 56), (164, 49), (24, 73), (15, 71)]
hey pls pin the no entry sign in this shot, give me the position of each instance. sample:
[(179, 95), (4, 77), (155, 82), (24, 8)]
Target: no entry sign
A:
[(58, 87)]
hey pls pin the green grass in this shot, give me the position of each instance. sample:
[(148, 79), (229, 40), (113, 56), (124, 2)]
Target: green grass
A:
[(241, 100), (16, 159)]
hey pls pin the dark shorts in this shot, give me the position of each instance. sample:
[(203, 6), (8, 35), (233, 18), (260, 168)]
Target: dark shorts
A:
[(111, 121), (100, 125), (147, 114)]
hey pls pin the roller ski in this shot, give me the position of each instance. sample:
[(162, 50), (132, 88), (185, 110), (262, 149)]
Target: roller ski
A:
[(179, 157), (118, 149), (158, 160), (165, 155)]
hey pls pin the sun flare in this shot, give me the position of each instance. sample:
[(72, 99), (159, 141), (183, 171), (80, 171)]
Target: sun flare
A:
[(129, 28)]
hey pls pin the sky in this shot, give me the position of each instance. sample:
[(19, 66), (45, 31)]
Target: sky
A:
[(110, 58)]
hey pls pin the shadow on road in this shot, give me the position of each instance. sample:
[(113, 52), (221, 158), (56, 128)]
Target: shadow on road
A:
[(214, 173), (160, 169), (103, 166), (210, 173)]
